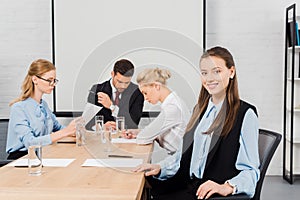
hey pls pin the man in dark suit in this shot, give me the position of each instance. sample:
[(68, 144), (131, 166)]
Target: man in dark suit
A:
[(118, 96)]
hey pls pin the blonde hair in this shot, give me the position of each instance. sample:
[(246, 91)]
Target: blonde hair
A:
[(150, 76), (37, 67)]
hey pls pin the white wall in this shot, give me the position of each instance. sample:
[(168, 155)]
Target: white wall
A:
[(254, 32), (25, 35)]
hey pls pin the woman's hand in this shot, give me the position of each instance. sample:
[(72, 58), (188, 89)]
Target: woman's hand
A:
[(149, 169), (130, 133), (209, 188), (70, 130)]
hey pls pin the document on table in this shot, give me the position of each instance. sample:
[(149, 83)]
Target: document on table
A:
[(113, 162), (90, 110), (123, 140), (47, 162)]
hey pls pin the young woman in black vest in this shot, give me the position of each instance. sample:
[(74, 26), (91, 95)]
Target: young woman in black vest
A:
[(220, 147)]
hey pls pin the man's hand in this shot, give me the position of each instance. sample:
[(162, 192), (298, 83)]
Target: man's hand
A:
[(104, 99), (110, 124)]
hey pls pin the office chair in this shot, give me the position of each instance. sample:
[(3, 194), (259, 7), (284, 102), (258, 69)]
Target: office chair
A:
[(3, 136), (268, 142)]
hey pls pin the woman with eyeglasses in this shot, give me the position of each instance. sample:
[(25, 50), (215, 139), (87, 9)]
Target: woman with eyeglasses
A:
[(31, 120)]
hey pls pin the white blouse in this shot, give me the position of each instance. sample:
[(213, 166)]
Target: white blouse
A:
[(169, 126)]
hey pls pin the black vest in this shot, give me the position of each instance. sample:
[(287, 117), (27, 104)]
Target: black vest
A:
[(221, 160)]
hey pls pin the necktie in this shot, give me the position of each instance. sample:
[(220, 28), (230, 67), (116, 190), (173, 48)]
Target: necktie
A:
[(117, 99)]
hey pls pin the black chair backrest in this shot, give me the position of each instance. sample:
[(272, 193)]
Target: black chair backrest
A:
[(3, 137), (268, 142)]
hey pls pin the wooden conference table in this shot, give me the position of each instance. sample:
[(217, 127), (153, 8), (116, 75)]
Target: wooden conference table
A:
[(75, 181)]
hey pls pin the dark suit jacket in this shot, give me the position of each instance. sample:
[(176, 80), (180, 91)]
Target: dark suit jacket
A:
[(130, 106)]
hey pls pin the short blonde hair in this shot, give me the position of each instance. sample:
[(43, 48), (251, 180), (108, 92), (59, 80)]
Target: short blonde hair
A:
[(154, 75)]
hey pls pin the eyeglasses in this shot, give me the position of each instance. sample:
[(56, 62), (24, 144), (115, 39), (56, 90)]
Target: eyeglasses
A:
[(51, 82)]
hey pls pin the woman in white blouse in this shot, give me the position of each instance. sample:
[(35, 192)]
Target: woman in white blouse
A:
[(169, 126)]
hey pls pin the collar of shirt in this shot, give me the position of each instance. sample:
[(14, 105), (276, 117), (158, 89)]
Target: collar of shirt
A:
[(168, 99), (210, 108), (114, 90), (39, 108)]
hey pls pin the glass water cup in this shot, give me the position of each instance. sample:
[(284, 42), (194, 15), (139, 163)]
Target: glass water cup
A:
[(80, 132), (120, 124), (106, 139), (35, 159), (99, 124)]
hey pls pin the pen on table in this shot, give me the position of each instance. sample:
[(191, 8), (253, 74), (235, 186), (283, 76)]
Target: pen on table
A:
[(119, 156), (21, 166), (66, 142)]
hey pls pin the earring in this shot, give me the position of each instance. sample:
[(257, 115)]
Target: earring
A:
[(231, 77)]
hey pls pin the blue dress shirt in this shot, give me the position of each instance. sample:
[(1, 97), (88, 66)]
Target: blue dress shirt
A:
[(30, 122)]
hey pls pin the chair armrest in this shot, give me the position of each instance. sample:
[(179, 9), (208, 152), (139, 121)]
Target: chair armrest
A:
[(232, 197)]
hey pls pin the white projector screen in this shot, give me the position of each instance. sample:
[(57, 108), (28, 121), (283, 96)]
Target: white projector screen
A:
[(91, 35)]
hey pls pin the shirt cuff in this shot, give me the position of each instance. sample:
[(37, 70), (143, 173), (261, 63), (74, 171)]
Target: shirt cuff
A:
[(163, 172), (115, 112), (233, 186)]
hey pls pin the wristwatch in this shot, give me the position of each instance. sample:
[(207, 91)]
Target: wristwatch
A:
[(112, 107)]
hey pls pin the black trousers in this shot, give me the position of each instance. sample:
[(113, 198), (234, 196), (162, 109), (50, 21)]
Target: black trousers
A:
[(15, 155), (172, 189)]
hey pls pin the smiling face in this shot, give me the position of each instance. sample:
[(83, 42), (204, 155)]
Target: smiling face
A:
[(215, 76)]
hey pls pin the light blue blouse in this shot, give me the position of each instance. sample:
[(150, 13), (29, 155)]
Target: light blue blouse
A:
[(30, 122)]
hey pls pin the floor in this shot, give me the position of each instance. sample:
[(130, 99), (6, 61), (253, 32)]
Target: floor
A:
[(275, 188)]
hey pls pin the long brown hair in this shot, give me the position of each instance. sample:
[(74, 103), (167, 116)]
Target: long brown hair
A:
[(37, 67), (230, 105)]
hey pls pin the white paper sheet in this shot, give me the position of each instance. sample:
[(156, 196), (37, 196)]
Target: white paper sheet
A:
[(47, 162), (123, 140), (113, 162), (90, 110)]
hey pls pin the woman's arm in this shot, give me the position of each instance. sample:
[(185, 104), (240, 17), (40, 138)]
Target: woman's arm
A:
[(24, 127), (164, 169), (169, 117), (70, 130), (248, 156)]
